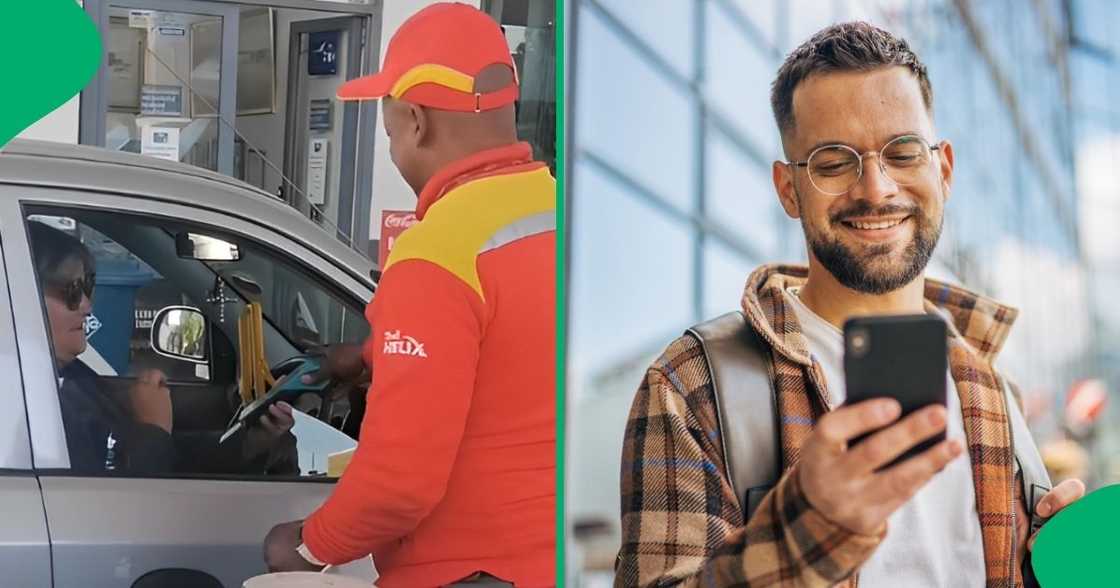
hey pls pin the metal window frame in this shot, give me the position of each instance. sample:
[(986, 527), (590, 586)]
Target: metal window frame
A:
[(94, 99), (710, 119), (36, 364), (15, 450)]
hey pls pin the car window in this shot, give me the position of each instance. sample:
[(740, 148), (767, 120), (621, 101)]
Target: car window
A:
[(128, 296), (135, 404)]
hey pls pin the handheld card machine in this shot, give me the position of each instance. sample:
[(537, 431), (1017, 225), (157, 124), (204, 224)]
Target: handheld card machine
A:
[(287, 388)]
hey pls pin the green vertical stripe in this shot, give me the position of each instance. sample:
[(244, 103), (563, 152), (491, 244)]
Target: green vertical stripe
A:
[(561, 295)]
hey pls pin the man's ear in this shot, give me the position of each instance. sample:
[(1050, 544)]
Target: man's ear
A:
[(420, 124), (945, 168), (787, 192)]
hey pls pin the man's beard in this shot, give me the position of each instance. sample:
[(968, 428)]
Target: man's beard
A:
[(866, 273)]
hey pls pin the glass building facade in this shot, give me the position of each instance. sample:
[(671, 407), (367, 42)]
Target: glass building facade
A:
[(671, 203)]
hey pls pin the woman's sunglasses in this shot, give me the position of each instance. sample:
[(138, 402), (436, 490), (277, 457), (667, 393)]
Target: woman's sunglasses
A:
[(72, 292)]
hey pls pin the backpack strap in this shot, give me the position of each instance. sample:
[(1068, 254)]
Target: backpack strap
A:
[(1032, 472), (746, 405), (1028, 461)]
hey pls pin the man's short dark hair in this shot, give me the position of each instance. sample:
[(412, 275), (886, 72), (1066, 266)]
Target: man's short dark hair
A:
[(849, 46)]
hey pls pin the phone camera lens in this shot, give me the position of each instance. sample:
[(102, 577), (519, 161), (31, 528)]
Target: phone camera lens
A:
[(858, 343)]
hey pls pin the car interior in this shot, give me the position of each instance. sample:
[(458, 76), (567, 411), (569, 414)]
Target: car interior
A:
[(296, 312)]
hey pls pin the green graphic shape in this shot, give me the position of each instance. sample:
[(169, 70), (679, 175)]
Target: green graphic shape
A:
[(1078, 546), (49, 50)]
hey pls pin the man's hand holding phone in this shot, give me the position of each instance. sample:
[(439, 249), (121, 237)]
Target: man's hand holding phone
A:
[(842, 483)]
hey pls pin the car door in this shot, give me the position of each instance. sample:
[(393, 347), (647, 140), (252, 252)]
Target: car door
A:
[(24, 547), (116, 528)]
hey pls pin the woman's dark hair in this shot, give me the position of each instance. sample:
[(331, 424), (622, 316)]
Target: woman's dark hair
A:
[(50, 248)]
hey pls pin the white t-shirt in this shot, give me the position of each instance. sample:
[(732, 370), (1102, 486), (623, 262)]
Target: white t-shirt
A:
[(934, 539)]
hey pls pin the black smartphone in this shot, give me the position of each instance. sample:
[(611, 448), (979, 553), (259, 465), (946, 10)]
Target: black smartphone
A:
[(904, 357)]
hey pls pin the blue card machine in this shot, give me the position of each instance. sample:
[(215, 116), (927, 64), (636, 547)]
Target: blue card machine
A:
[(288, 388)]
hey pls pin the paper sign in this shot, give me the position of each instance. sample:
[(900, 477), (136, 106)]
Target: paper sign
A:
[(322, 59), (393, 223), (160, 142), (321, 115), (168, 19), (161, 100), (140, 19), (317, 171)]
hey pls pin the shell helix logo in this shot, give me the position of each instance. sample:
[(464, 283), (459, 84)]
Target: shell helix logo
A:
[(397, 344)]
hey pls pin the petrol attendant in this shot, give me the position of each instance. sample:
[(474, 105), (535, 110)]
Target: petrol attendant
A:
[(454, 477)]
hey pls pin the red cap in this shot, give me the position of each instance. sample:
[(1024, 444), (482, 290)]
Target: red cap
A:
[(433, 58)]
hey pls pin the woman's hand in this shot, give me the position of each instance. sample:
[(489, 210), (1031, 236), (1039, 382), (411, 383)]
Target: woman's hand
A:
[(272, 426), (151, 399)]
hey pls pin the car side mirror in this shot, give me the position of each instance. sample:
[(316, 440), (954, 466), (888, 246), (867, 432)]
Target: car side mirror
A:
[(205, 248), (179, 332)]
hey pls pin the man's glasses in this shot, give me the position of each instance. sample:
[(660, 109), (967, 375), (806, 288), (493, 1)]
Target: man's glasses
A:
[(835, 169), (71, 292)]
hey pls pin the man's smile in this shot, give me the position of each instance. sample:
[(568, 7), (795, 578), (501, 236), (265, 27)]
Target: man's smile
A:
[(877, 229)]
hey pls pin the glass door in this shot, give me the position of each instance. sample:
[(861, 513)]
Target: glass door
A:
[(169, 89), (321, 132)]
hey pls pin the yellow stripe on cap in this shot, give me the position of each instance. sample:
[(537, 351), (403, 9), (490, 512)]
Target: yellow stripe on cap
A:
[(430, 73)]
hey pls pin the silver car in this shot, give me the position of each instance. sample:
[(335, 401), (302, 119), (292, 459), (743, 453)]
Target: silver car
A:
[(172, 243)]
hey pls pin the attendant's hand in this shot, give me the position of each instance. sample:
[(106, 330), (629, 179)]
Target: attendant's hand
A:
[(280, 549), (344, 366), (341, 363)]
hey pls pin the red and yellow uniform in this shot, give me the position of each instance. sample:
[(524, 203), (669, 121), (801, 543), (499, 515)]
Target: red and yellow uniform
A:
[(455, 471)]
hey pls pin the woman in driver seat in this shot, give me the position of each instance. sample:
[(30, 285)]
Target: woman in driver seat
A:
[(107, 431)]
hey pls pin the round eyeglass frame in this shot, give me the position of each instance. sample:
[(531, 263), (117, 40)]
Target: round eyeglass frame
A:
[(859, 158)]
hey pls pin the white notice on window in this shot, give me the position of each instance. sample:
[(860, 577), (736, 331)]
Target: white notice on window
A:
[(160, 142), (317, 171), (140, 19)]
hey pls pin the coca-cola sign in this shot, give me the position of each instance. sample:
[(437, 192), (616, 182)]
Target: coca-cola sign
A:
[(393, 223), (402, 220)]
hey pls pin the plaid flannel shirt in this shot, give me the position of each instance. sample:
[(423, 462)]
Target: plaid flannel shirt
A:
[(682, 523)]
